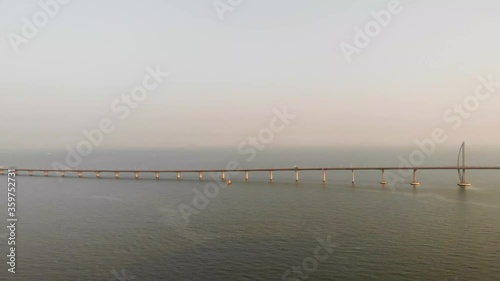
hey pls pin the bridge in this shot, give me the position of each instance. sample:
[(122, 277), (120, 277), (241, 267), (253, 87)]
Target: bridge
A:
[(460, 167), (136, 173)]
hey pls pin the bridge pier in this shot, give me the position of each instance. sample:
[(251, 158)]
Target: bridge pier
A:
[(200, 176), (324, 176), (246, 175), (157, 175), (270, 176), (30, 173), (117, 175), (414, 182), (223, 176), (352, 172), (63, 174), (178, 175), (383, 181), (46, 173), (136, 175), (80, 174), (296, 176), (97, 174)]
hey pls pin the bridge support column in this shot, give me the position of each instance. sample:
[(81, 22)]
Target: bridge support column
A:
[(353, 179), (30, 173), (223, 176), (324, 176), (63, 173), (157, 175), (98, 174), (414, 182), (80, 174), (178, 175), (117, 175), (136, 175), (270, 176), (200, 176), (246, 175), (383, 181), (296, 176), (46, 173)]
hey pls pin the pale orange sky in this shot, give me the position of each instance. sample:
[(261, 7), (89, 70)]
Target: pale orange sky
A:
[(227, 76)]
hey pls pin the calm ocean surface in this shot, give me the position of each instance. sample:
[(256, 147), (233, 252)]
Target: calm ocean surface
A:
[(126, 229)]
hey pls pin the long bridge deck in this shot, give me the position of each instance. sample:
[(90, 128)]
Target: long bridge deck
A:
[(296, 170), (262, 169)]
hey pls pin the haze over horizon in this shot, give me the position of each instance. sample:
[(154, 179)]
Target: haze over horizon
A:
[(228, 77)]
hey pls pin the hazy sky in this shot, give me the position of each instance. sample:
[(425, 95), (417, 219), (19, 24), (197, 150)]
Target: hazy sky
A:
[(227, 75)]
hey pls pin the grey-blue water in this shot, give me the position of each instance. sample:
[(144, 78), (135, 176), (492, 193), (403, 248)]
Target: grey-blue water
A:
[(126, 229)]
